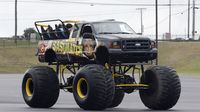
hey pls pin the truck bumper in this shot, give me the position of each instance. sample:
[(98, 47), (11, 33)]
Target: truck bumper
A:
[(118, 55)]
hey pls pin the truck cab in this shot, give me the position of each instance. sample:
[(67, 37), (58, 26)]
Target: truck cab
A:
[(102, 41)]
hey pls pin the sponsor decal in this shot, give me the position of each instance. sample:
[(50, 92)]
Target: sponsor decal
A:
[(67, 46)]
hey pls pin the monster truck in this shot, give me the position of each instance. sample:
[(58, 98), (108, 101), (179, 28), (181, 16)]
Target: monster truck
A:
[(106, 59)]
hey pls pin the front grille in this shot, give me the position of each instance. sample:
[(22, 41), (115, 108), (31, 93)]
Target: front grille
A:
[(136, 44)]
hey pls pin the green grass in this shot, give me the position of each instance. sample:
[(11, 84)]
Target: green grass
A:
[(183, 56), (17, 60)]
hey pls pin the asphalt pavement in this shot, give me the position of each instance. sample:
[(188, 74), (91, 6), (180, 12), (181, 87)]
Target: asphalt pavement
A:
[(11, 98)]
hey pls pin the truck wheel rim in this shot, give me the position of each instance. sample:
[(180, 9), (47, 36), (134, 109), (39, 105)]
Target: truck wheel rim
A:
[(82, 88), (29, 87)]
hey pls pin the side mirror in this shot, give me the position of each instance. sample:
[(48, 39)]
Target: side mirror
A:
[(139, 33)]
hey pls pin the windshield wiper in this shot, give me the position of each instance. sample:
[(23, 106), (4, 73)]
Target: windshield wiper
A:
[(122, 33), (105, 33), (114, 33)]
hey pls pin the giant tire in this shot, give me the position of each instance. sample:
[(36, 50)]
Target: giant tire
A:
[(164, 88), (118, 97), (93, 87), (40, 87)]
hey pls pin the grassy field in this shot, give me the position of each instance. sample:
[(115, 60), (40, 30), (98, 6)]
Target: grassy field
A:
[(183, 56), (17, 60)]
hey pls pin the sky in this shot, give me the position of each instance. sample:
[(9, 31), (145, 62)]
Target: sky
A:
[(30, 11)]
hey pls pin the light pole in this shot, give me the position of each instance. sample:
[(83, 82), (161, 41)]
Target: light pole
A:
[(188, 32), (193, 24), (141, 15), (170, 17), (16, 22), (156, 10)]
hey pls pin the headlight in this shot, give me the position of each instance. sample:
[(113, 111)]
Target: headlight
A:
[(153, 44), (115, 45)]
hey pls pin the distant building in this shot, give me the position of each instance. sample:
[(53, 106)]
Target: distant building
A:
[(167, 36)]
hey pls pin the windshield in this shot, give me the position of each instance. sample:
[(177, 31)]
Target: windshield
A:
[(113, 28)]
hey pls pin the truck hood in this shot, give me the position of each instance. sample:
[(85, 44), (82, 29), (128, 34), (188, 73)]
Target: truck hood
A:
[(118, 36)]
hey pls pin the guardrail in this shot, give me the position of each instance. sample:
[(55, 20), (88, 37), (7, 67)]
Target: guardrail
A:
[(9, 43)]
